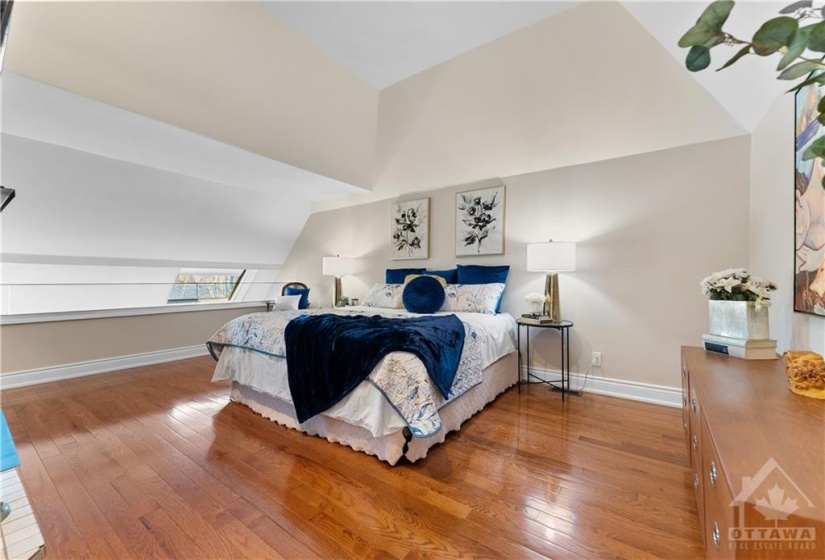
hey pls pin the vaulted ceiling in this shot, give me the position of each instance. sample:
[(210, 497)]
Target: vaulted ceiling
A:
[(316, 100), (299, 82)]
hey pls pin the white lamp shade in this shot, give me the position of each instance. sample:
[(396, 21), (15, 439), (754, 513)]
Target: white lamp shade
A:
[(555, 256), (338, 266)]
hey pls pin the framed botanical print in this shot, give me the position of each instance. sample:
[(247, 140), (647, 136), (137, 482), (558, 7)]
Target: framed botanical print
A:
[(809, 194), (479, 222), (410, 229)]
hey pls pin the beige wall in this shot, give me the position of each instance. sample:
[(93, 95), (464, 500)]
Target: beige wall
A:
[(649, 228), (226, 70), (39, 345), (588, 84), (772, 226)]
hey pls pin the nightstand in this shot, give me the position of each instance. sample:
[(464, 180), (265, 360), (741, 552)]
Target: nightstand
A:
[(563, 328)]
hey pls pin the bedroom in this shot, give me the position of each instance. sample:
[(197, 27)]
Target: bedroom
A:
[(660, 177)]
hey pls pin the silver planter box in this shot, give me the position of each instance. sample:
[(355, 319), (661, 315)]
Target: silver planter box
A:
[(739, 319)]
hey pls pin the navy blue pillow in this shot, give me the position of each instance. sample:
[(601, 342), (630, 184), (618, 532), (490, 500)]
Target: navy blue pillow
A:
[(303, 292), (451, 276), (398, 275), (477, 274), (423, 295)]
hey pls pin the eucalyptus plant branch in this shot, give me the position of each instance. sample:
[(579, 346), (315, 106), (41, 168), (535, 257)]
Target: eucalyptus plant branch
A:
[(781, 35)]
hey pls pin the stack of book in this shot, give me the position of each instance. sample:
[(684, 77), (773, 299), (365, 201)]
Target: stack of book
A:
[(535, 319), (744, 348)]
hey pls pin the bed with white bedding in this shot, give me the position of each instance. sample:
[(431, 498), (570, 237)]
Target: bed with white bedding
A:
[(396, 411)]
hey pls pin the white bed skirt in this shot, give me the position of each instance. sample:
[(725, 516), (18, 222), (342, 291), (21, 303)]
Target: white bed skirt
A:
[(390, 448)]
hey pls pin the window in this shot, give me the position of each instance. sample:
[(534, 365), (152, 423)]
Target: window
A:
[(205, 285)]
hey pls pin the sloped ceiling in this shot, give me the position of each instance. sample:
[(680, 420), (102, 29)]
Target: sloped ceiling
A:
[(298, 82), (229, 71), (747, 89), (386, 42), (41, 112), (523, 104)]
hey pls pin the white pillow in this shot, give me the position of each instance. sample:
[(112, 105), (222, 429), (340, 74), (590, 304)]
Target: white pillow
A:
[(384, 295), (472, 298), (285, 303)]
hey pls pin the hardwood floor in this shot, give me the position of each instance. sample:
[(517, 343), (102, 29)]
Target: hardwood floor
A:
[(155, 462)]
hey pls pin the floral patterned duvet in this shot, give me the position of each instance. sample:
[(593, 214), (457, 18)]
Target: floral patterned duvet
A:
[(409, 390)]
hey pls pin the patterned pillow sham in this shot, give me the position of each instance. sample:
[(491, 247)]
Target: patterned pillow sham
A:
[(472, 298), (384, 295)]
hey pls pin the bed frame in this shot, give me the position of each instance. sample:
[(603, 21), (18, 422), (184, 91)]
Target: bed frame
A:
[(392, 447)]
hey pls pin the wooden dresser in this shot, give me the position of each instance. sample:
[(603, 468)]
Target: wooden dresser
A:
[(757, 455)]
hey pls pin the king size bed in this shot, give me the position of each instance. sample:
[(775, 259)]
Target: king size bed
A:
[(400, 408)]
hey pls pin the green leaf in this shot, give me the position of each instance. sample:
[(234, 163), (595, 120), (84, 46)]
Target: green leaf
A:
[(716, 14), (796, 48), (708, 28), (791, 8), (816, 38), (698, 58), (821, 118), (815, 150), (774, 34), (799, 69), (818, 79), (821, 106), (739, 54), (697, 35)]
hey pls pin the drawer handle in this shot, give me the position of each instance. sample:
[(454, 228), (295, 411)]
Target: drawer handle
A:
[(696, 481), (684, 371), (712, 473), (695, 442), (717, 535), (684, 427), (684, 402), (693, 404)]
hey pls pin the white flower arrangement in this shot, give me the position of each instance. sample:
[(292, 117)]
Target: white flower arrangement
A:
[(736, 284), (534, 298)]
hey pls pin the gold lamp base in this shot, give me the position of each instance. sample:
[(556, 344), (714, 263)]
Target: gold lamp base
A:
[(337, 293), (552, 308)]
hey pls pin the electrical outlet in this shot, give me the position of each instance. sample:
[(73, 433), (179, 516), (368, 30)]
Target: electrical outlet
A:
[(596, 360)]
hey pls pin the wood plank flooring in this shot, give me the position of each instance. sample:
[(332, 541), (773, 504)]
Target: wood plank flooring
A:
[(155, 462)]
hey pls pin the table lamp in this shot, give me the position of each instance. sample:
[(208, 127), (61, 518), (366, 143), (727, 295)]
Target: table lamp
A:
[(337, 266), (551, 257)]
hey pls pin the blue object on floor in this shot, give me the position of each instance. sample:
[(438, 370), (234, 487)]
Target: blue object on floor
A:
[(8, 453)]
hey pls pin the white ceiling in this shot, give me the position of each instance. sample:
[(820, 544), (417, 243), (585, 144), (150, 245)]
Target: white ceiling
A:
[(380, 42), (386, 42), (748, 88)]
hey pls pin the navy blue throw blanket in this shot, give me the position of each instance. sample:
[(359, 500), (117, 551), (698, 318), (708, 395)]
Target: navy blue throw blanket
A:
[(327, 355)]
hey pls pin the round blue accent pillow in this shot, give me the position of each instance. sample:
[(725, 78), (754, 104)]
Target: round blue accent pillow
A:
[(423, 295)]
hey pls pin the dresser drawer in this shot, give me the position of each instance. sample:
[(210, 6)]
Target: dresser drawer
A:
[(718, 510), (752, 435), (694, 430), (686, 405)]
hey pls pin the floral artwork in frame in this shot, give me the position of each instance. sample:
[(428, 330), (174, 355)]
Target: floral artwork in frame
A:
[(479, 222), (809, 246), (410, 229)]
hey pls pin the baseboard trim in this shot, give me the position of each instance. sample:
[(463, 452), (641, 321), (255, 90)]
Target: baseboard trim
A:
[(631, 390), (92, 367)]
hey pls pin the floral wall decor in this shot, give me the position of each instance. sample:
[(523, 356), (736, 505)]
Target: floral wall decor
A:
[(479, 222), (809, 275), (410, 231)]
